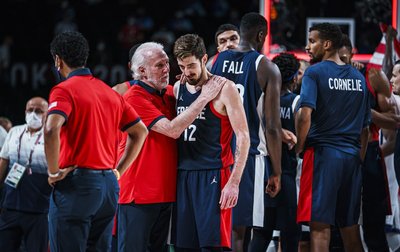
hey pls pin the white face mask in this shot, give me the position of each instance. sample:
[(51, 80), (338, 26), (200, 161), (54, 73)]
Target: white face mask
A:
[(33, 120)]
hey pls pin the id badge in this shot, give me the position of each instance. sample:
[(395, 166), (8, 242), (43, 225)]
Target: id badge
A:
[(15, 175)]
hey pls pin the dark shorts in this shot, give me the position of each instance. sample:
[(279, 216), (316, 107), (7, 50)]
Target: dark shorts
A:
[(287, 196), (197, 220), (330, 187)]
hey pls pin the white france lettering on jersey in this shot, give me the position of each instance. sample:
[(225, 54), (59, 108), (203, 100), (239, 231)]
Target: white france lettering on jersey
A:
[(345, 84), (285, 113), (232, 67), (200, 116)]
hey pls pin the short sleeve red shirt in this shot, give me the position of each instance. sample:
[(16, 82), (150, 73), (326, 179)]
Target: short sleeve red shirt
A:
[(93, 115), (152, 176)]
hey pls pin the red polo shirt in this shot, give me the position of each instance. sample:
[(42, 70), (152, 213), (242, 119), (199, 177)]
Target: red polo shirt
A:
[(152, 176), (93, 113)]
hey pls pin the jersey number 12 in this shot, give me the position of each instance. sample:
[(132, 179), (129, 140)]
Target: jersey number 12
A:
[(189, 132)]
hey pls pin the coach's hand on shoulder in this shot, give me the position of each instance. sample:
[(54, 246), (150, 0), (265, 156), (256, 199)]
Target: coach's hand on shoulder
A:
[(213, 86), (229, 196), (274, 185), (60, 175)]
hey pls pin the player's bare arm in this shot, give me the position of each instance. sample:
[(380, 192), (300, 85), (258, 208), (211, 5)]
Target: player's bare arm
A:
[(387, 62), (379, 82), (52, 129), (269, 77), (175, 127), (385, 120), (232, 104), (303, 124), (120, 88), (388, 147)]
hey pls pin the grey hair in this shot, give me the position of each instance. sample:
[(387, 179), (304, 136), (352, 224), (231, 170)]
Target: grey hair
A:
[(139, 58)]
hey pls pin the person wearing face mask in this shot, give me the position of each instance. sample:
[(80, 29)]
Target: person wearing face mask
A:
[(23, 171)]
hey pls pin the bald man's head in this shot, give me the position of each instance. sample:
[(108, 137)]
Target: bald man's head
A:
[(35, 112), (37, 102)]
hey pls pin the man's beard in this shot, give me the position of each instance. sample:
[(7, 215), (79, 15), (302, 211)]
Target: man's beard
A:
[(158, 83), (196, 81), (315, 59)]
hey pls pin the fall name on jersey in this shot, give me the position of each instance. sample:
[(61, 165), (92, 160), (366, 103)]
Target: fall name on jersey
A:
[(234, 67)]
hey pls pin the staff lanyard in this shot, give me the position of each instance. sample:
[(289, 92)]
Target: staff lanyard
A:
[(32, 149)]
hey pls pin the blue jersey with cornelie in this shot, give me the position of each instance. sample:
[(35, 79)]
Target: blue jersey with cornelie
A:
[(339, 97)]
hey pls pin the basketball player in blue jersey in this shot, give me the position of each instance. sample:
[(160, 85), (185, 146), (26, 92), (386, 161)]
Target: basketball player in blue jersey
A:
[(206, 187), (280, 212), (226, 38), (259, 83), (332, 130)]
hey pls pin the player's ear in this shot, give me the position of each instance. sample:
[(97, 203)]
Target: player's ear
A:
[(57, 61), (260, 36), (327, 44), (142, 70), (204, 58)]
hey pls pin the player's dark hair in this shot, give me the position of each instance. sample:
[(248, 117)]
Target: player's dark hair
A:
[(72, 47), (252, 23), (189, 45), (329, 31), (346, 42), (223, 28), (289, 66)]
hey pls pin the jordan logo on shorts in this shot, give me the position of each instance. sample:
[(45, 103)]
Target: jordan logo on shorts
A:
[(214, 181), (181, 98)]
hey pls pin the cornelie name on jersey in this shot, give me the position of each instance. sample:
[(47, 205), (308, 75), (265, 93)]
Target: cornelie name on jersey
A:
[(232, 67), (201, 116), (345, 84)]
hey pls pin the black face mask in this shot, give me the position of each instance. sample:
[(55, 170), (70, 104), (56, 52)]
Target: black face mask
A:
[(59, 77)]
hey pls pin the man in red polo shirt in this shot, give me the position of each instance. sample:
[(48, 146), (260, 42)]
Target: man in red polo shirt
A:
[(149, 186), (80, 144)]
